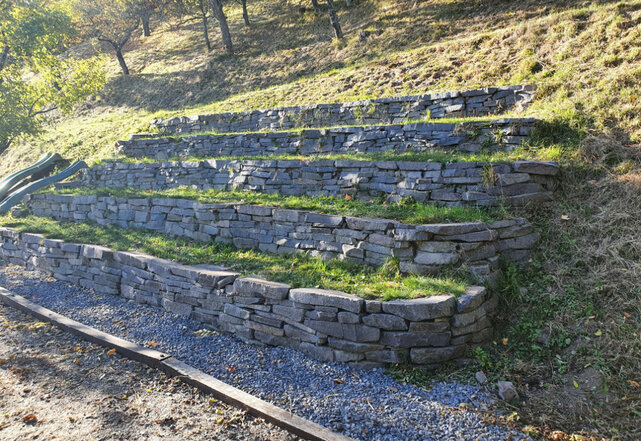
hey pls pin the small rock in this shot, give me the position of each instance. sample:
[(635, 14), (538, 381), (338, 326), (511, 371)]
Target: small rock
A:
[(481, 378), (507, 391), (543, 338)]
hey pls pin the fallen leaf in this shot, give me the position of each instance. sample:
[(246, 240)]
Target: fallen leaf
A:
[(231, 369), (598, 333), (338, 381), (565, 217), (111, 352), (30, 419), (505, 341), (348, 197), (576, 385), (634, 384), (152, 343)]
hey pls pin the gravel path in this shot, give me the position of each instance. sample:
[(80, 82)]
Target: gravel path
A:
[(366, 405), (55, 386)]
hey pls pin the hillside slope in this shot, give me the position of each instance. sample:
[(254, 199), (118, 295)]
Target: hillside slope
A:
[(577, 313)]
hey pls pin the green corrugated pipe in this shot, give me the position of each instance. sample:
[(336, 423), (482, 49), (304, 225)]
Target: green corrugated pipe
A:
[(15, 180)]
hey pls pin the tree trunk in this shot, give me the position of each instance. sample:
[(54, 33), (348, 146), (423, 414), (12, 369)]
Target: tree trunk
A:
[(315, 4), (245, 13), (4, 144), (217, 7), (333, 19), (146, 30), (121, 60), (4, 55), (205, 30)]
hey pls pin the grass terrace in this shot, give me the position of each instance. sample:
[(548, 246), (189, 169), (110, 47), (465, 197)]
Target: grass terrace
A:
[(460, 120), (553, 153), (407, 211), (384, 282)]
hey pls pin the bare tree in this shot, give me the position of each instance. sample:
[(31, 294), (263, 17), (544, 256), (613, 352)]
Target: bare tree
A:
[(147, 9), (111, 22), (243, 3), (333, 19), (118, 45), (203, 8), (217, 9)]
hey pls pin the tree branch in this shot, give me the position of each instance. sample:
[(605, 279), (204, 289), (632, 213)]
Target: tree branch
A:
[(40, 112), (4, 55), (107, 40), (128, 33)]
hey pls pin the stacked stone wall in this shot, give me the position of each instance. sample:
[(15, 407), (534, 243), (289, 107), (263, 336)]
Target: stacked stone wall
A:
[(480, 102), (462, 183), (420, 249), (327, 325), (505, 134)]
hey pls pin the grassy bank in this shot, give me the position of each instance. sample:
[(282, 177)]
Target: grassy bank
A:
[(587, 72)]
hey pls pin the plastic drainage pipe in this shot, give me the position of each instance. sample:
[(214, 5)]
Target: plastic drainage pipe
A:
[(14, 180), (17, 196)]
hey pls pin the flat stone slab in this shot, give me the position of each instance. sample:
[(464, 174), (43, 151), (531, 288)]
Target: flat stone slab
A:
[(417, 310), (324, 297)]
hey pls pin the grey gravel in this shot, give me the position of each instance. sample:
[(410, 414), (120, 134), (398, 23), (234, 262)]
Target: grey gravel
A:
[(366, 405)]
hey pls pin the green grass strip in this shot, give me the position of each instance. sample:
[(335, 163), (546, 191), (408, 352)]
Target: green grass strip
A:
[(526, 152), (407, 211), (479, 119), (383, 282)]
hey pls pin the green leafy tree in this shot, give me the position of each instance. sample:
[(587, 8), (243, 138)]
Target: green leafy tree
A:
[(36, 77)]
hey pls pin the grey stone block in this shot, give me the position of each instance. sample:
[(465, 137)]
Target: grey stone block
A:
[(348, 317), (436, 355), (421, 309), (251, 286), (388, 356), (322, 297), (350, 346), (426, 258), (235, 311), (472, 299), (418, 339), (320, 353), (385, 321)]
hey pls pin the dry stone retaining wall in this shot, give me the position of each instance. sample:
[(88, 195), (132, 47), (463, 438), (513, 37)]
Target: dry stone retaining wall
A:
[(505, 134), (462, 183), (327, 325), (488, 101), (420, 248)]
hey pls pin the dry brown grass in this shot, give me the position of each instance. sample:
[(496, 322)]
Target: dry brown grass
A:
[(591, 253)]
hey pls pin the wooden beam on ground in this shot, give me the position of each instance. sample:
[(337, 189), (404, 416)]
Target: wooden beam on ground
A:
[(190, 375)]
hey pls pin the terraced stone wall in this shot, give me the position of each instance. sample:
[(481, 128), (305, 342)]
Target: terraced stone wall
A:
[(504, 134), (327, 325), (420, 248), (488, 101), (473, 183)]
